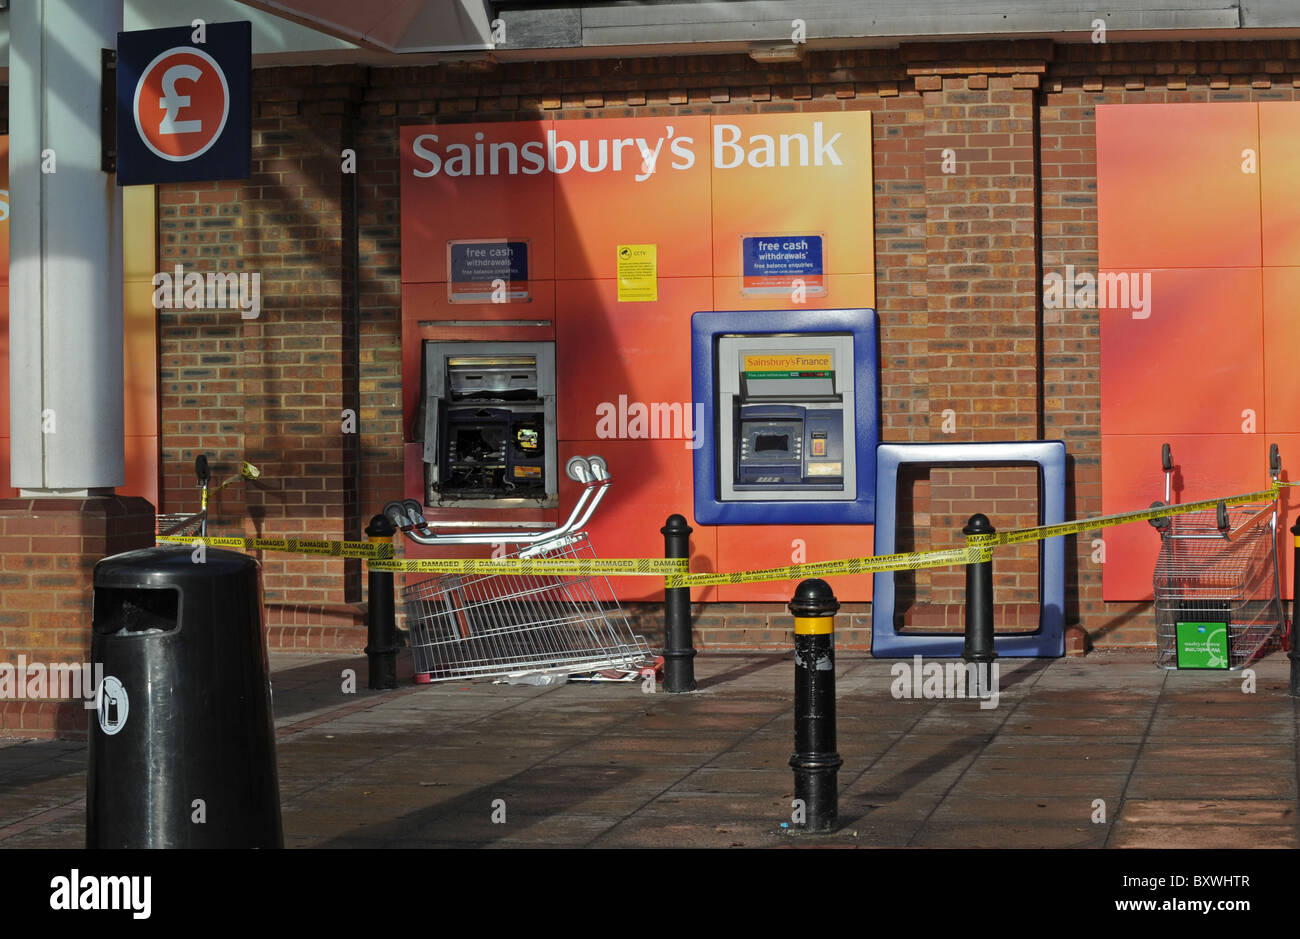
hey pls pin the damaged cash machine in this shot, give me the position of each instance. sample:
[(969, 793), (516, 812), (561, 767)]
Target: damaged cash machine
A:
[(790, 406), (489, 424)]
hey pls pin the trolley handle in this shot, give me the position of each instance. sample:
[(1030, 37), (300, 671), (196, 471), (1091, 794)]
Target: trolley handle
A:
[(591, 471), (1167, 464)]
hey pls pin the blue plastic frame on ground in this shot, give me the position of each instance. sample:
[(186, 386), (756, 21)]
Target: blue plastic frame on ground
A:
[(1049, 455)]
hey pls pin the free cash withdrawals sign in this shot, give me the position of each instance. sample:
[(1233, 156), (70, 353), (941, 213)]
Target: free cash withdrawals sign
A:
[(183, 104), (487, 270), (778, 264)]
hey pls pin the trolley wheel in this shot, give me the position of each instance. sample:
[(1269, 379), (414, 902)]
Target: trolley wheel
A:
[(578, 469), (1166, 458), (1159, 524)]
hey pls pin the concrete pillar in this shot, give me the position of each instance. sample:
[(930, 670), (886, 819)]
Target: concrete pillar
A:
[(65, 287), (65, 352)]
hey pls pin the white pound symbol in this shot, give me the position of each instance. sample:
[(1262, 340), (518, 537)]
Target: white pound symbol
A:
[(173, 102)]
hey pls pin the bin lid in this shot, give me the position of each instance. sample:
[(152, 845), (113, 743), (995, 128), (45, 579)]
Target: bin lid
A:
[(172, 565)]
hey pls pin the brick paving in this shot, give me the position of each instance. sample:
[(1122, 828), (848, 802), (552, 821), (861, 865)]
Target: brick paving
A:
[(1181, 759)]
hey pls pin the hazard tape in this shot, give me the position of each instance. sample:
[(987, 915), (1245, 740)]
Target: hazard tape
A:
[(655, 567), (909, 561), (334, 549), (676, 572), (1043, 532)]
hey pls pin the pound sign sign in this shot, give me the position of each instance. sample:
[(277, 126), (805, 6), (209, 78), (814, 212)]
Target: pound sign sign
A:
[(173, 102)]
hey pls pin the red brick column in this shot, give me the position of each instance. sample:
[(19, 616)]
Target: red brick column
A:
[(48, 550), (982, 301)]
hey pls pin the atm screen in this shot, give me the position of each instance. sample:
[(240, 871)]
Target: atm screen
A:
[(478, 444), (771, 442)]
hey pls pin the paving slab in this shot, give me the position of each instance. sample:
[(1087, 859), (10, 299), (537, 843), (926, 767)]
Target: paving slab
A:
[(1180, 759)]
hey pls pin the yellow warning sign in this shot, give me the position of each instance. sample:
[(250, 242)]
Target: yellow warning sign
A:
[(638, 273)]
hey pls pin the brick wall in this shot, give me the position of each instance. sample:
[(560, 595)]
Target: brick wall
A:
[(48, 549), (959, 258), (273, 390)]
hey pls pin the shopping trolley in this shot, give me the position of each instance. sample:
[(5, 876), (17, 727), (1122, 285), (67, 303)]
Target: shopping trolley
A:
[(492, 625), (1216, 583), (196, 523)]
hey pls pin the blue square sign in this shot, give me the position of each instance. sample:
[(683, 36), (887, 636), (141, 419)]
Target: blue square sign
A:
[(183, 104)]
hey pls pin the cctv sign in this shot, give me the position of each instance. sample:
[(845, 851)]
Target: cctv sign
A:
[(183, 103)]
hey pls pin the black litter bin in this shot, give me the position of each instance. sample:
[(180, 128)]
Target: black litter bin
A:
[(182, 746)]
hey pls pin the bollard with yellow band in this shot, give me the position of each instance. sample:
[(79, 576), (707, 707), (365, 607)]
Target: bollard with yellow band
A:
[(815, 761)]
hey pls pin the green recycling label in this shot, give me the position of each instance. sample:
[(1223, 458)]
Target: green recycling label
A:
[(1202, 645)]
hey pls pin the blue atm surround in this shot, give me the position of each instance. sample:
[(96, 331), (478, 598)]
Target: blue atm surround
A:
[(706, 327), (1049, 639)]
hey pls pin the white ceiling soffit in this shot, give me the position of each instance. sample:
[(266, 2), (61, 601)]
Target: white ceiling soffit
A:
[(593, 25), (399, 26), (275, 40)]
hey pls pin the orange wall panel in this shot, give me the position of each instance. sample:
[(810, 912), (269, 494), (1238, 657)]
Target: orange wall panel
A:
[(605, 349), (453, 207), (827, 199), (651, 480), (669, 208), (1173, 193), (1281, 295), (1170, 186), (1206, 466), (842, 291), (750, 547), (1279, 180), (1194, 364)]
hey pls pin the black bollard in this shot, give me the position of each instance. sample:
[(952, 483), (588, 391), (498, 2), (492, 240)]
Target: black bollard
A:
[(815, 761), (979, 646), (381, 622), (679, 653), (1294, 654)]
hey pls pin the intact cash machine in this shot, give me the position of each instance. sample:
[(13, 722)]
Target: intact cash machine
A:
[(789, 400)]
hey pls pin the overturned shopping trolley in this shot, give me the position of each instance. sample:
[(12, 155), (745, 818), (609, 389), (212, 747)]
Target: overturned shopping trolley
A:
[(483, 625)]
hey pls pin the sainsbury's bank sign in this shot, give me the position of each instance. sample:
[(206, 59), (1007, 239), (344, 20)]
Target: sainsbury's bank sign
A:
[(727, 147)]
